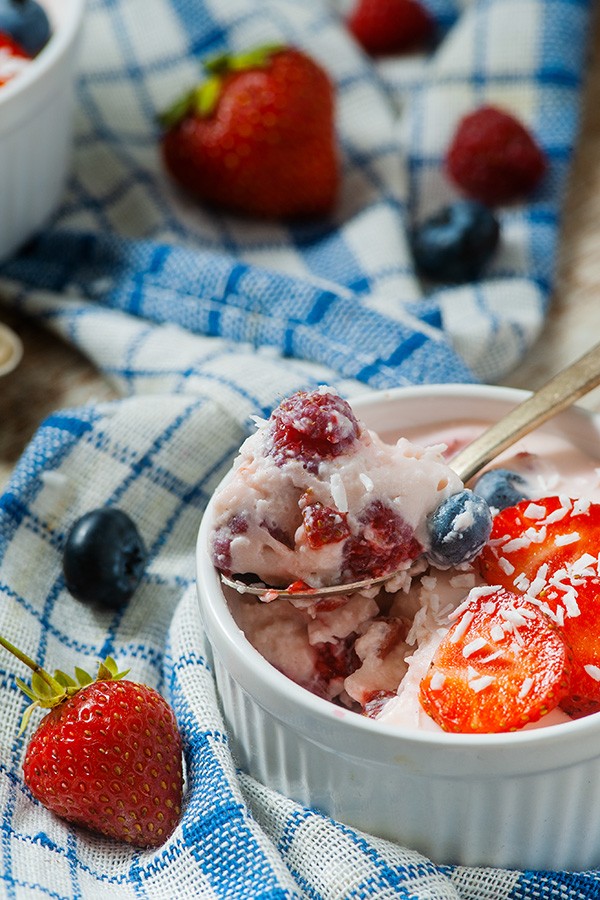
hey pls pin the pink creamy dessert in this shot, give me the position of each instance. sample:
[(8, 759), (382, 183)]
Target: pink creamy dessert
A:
[(367, 651), (317, 498)]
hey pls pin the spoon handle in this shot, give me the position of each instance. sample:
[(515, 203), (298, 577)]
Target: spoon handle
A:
[(561, 391)]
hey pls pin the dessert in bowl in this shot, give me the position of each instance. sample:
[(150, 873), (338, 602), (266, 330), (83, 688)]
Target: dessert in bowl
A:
[(524, 797), (36, 128)]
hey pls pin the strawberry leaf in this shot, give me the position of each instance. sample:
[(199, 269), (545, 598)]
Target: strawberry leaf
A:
[(25, 688), (206, 96), (82, 676), (64, 679)]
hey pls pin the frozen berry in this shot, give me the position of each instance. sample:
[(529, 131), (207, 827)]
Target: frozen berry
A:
[(458, 529), (375, 702), (455, 243), (310, 427), (25, 21), (384, 543), (324, 525), (221, 542), (390, 26), (501, 488), (494, 158), (104, 558)]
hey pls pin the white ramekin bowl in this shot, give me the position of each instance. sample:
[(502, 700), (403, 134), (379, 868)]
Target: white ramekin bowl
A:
[(36, 128), (524, 800)]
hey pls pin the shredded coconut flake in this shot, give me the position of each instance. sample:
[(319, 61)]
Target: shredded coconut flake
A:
[(557, 516), (462, 626), (481, 683), (367, 482), (473, 647), (525, 687), (497, 633), (534, 511), (561, 540), (513, 616), (338, 492), (581, 507), (521, 582), (438, 679), (506, 566), (519, 543), (593, 672), (466, 580)]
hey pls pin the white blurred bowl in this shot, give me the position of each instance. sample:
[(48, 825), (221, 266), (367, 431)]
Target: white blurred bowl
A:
[(36, 110), (528, 800)]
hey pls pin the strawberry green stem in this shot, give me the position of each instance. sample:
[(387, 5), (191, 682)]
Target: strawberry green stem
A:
[(31, 663)]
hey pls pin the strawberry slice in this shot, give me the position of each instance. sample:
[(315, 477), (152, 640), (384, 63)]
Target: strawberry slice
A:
[(552, 533), (574, 603), (13, 58), (502, 664)]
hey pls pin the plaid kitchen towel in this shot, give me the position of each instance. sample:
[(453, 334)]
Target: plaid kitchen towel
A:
[(202, 320)]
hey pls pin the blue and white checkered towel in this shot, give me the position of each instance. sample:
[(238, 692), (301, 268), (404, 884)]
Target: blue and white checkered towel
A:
[(202, 320)]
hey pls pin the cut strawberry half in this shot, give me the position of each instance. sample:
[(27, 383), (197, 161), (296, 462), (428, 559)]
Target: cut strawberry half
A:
[(502, 664), (574, 603), (552, 533)]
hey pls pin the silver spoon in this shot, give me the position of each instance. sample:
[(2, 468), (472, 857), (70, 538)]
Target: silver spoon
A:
[(557, 394)]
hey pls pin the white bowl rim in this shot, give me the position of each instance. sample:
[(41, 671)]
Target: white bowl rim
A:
[(69, 16), (278, 684)]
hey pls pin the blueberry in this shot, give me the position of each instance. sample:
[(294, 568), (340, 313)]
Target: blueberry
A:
[(501, 488), (455, 243), (104, 558), (25, 21), (458, 529)]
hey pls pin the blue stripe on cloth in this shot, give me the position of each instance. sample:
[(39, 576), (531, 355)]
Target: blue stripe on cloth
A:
[(208, 293)]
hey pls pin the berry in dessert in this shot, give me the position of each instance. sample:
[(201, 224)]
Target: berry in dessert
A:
[(104, 558), (501, 488), (391, 26), (13, 58), (316, 498), (501, 665), (27, 23), (494, 158), (108, 754), (458, 529), (456, 243), (257, 136)]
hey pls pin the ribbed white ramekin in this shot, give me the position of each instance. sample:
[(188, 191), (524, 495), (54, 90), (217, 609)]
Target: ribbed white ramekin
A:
[(524, 800), (36, 110)]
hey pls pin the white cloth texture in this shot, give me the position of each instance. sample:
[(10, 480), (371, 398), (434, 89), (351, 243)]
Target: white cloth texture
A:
[(202, 320)]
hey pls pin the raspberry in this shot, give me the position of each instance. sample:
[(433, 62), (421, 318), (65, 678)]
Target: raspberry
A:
[(390, 26), (375, 701), (336, 660), (324, 525), (383, 544), (221, 544), (493, 157), (311, 427)]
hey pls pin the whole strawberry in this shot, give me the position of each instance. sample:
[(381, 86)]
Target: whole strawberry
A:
[(390, 26), (107, 755), (494, 158), (257, 136)]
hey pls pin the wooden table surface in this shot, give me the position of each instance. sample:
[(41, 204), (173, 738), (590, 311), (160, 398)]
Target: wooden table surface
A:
[(53, 375)]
